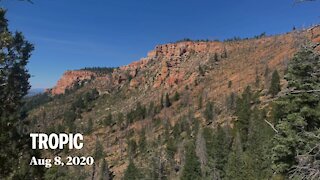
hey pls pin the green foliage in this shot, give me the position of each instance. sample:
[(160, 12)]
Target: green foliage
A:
[(218, 145), (200, 102), (297, 113), (275, 84), (57, 173), (191, 169), (176, 96), (69, 118), (209, 112), (36, 101), (167, 102), (171, 148), (258, 161), (264, 34), (201, 70), (161, 101), (229, 84), (15, 148), (236, 167), (132, 172), (216, 58), (231, 101), (224, 54), (83, 101), (151, 109), (243, 112), (132, 148), (139, 113), (143, 141), (108, 121), (98, 151), (180, 127), (89, 126), (100, 70), (257, 82)]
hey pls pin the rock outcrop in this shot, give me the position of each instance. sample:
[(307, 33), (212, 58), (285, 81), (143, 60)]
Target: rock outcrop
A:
[(171, 64), (70, 79)]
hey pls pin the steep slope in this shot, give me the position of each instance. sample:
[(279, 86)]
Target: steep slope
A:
[(116, 107)]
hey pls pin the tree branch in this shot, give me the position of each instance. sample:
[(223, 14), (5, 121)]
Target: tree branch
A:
[(272, 126)]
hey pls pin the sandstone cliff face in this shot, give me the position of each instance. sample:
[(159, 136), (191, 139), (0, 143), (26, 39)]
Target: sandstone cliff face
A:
[(70, 79), (172, 64)]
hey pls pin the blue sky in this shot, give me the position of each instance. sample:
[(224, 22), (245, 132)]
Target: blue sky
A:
[(71, 34)]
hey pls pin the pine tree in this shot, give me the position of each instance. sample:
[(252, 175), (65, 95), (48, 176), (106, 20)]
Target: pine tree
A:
[(15, 151), (167, 102), (108, 121), (171, 148), (98, 151), (221, 148), (258, 162), (161, 101), (89, 126), (209, 112), (201, 71), (176, 96), (216, 58), (132, 148), (299, 115), (275, 84), (143, 142), (132, 172), (235, 168), (200, 102), (191, 169), (243, 112)]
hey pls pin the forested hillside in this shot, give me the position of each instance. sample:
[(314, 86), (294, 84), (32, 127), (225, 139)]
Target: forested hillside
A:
[(240, 109)]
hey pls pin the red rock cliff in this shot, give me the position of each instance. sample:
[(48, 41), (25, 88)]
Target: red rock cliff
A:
[(69, 79)]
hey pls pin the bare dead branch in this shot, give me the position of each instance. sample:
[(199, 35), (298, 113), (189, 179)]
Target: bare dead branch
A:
[(272, 126)]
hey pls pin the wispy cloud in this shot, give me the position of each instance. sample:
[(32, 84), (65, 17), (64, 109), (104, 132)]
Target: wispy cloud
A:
[(80, 47), (55, 40)]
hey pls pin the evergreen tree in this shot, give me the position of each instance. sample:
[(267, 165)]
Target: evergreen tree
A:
[(299, 115), (191, 169), (132, 148), (171, 148), (258, 162), (89, 126), (201, 71), (143, 142), (221, 148), (243, 112), (275, 84), (176, 96), (108, 121), (200, 102), (209, 112), (132, 172), (161, 101), (15, 151), (216, 58), (98, 151), (231, 101), (235, 168), (167, 102)]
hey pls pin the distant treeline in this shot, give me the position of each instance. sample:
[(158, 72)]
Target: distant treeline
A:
[(236, 38), (100, 70)]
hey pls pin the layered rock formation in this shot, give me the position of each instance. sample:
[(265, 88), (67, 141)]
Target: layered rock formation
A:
[(169, 64), (70, 79)]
